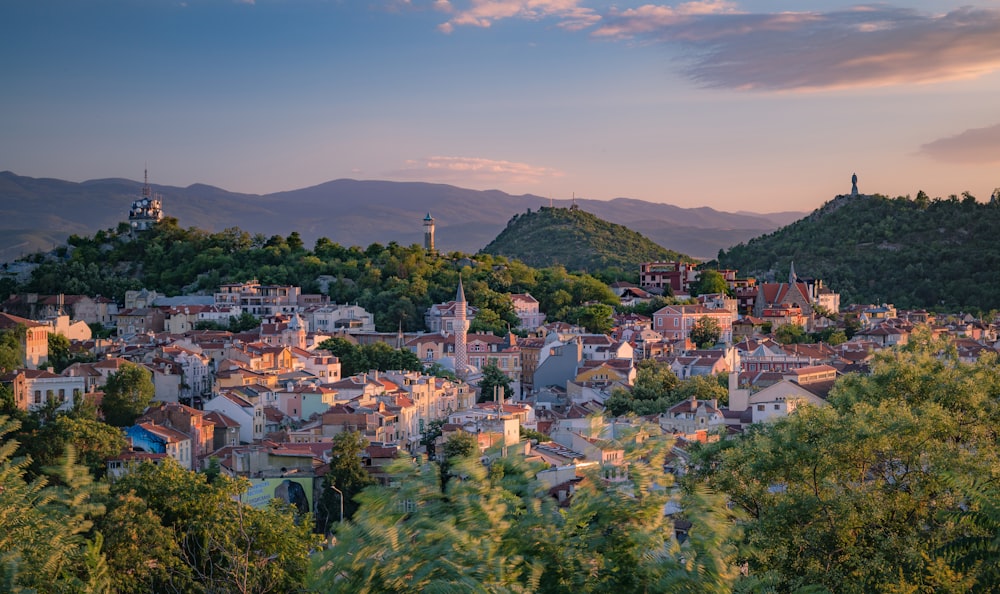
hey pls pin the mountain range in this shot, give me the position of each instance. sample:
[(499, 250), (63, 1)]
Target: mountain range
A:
[(39, 213)]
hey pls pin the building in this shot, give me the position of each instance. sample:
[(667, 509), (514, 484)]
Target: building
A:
[(526, 309), (34, 342), (660, 276), (147, 210), (674, 322)]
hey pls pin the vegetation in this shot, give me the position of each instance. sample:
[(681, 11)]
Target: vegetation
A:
[(876, 492), (657, 388), (494, 379), (494, 530), (920, 252), (706, 332), (576, 240), (396, 283), (378, 356), (347, 473), (127, 393)]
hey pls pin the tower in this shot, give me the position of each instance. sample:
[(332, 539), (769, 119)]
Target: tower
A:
[(792, 277), (147, 210), (461, 326), (429, 233), (854, 184)]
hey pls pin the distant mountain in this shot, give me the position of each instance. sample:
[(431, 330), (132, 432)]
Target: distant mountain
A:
[(38, 213), (575, 239), (926, 253)]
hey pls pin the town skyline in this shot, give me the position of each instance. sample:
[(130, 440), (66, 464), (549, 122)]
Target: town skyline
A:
[(740, 106)]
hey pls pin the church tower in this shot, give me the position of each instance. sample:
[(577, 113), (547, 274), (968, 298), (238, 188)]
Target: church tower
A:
[(294, 334), (461, 327), (429, 233)]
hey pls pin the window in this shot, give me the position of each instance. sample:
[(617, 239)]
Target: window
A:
[(38, 396), (777, 407), (760, 407), (62, 395)]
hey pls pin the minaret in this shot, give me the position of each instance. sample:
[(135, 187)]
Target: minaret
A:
[(461, 326), (429, 233), (792, 278)]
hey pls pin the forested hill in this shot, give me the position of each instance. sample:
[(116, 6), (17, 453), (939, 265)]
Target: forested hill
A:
[(930, 253), (575, 239)]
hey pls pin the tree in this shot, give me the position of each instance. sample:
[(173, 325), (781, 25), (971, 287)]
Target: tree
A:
[(127, 393), (494, 380), (596, 317), (348, 474), (226, 545), (706, 332), (858, 496), (790, 334), (496, 530), (11, 351), (710, 282)]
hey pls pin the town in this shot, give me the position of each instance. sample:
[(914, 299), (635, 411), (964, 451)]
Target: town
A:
[(713, 356)]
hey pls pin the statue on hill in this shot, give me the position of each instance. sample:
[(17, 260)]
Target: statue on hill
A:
[(854, 184)]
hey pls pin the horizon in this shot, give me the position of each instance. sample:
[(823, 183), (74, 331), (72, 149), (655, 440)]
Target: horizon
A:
[(715, 103)]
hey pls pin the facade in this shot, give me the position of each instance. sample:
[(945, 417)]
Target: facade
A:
[(526, 309), (262, 301), (675, 276), (675, 322), (34, 343)]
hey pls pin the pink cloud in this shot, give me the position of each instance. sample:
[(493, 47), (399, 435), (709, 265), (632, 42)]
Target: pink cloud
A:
[(975, 146), (483, 13), (474, 170), (863, 46)]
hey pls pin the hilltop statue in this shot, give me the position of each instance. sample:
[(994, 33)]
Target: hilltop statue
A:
[(854, 184)]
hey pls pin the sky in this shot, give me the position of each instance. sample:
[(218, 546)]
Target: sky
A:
[(753, 105)]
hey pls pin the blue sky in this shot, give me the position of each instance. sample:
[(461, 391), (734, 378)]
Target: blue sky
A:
[(761, 105)]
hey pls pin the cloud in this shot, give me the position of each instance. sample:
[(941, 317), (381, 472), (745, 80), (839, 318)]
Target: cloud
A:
[(863, 46), (483, 13), (474, 170), (974, 146)]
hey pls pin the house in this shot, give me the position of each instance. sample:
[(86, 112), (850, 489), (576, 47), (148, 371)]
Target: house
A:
[(34, 388), (441, 317), (34, 342), (262, 301), (187, 420), (139, 321), (157, 439), (692, 415), (226, 432), (671, 277), (248, 415), (675, 322), (804, 385), (526, 309)]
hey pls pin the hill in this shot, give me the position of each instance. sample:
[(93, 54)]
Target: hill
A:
[(939, 253), (39, 213), (575, 239)]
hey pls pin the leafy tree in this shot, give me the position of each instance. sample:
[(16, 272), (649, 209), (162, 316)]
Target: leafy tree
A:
[(791, 334), (706, 332), (493, 379), (127, 394), (347, 473), (596, 317), (495, 530), (224, 544), (710, 282), (11, 351), (703, 387), (858, 496)]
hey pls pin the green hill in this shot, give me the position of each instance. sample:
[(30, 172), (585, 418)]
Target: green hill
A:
[(929, 253), (577, 240)]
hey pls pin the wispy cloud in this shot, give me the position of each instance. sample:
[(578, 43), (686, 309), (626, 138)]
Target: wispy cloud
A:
[(473, 170), (863, 46), (975, 146), (483, 13), (722, 46)]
